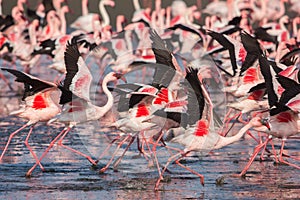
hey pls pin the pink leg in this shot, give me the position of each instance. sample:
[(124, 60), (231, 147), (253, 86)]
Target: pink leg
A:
[(107, 148), (112, 157), (260, 137), (10, 138), (117, 162), (292, 157), (236, 116), (250, 134), (153, 154), (30, 149), (6, 81), (29, 172), (281, 159), (73, 150), (189, 169), (164, 169), (263, 151), (255, 152), (141, 148), (274, 151)]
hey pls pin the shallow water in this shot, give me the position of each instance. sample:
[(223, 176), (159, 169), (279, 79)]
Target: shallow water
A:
[(69, 176)]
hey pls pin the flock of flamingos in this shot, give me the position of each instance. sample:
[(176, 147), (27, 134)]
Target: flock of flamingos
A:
[(254, 45)]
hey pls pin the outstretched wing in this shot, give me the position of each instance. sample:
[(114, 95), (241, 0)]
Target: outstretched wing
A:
[(32, 85), (165, 70), (78, 78)]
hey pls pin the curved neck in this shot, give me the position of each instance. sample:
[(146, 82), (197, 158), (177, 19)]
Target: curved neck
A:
[(84, 7), (136, 5), (57, 5), (224, 141), (110, 99), (104, 14), (282, 25), (20, 5)]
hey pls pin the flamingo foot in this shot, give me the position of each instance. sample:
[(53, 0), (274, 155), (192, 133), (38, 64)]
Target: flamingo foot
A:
[(92, 161), (94, 167), (28, 175), (157, 183), (101, 171), (202, 181), (240, 175)]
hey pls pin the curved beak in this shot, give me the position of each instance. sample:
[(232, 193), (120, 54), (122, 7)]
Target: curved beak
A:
[(121, 76), (266, 123)]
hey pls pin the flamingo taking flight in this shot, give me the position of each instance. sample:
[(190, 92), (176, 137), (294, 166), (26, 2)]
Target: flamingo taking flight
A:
[(283, 98), (76, 98), (201, 137), (41, 104), (144, 99)]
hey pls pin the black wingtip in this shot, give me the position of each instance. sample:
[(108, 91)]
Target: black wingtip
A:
[(71, 57)]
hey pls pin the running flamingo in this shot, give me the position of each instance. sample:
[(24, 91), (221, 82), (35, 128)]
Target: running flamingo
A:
[(41, 104), (76, 98)]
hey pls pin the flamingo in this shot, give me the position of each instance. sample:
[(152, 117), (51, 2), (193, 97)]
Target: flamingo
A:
[(269, 10), (77, 104), (157, 94), (200, 137), (86, 20), (283, 96), (41, 104)]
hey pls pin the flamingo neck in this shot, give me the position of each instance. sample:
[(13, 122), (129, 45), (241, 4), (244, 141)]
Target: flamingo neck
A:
[(110, 99), (57, 5), (104, 14), (120, 21), (157, 5), (136, 5), (84, 7), (63, 23), (32, 35), (224, 141), (1, 13), (281, 24), (20, 5)]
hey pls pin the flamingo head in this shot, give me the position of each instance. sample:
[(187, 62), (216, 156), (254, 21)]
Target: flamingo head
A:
[(17, 14), (35, 23), (285, 19), (65, 9), (121, 18), (178, 7), (40, 8), (259, 121), (114, 76), (265, 122), (109, 3)]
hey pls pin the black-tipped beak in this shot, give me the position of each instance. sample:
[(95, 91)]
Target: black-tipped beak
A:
[(121, 76), (266, 123)]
